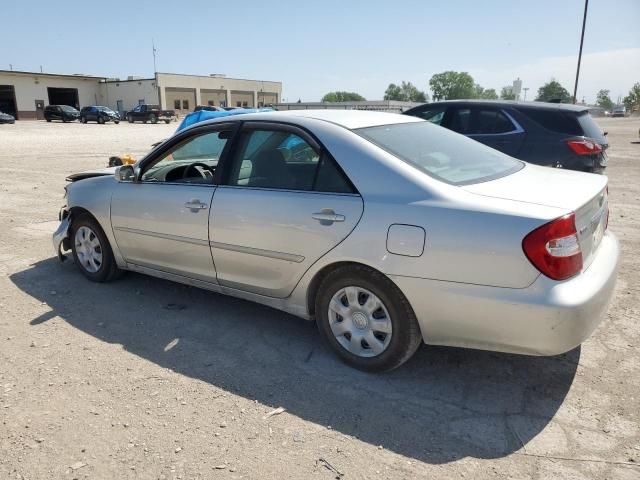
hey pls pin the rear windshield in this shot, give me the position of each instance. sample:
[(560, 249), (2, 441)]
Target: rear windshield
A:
[(590, 127), (441, 153)]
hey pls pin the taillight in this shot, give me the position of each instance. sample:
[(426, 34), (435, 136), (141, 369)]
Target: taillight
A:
[(584, 146), (554, 249)]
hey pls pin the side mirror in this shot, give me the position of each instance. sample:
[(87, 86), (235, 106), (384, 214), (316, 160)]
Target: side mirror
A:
[(125, 173)]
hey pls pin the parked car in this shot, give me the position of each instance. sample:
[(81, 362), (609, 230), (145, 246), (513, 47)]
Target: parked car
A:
[(98, 114), (619, 111), (386, 229), (64, 113), (6, 118), (150, 113), (549, 134)]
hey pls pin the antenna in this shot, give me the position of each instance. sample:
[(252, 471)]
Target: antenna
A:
[(155, 69)]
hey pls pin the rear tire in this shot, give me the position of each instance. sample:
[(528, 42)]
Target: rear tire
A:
[(167, 121), (101, 120), (48, 120), (377, 329), (129, 118), (153, 119), (91, 251)]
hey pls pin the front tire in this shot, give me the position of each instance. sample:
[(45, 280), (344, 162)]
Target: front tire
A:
[(153, 119), (101, 120), (129, 118), (366, 319), (92, 253)]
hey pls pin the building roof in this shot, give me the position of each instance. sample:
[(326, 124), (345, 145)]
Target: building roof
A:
[(42, 74)]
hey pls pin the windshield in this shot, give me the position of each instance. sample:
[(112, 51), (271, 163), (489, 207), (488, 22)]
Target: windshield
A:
[(67, 108), (441, 153)]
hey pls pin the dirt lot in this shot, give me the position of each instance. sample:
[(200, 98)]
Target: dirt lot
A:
[(105, 381)]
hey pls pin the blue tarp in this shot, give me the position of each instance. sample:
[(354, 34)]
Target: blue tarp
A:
[(202, 115)]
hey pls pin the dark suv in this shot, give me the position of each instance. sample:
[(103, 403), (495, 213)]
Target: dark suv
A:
[(61, 112), (98, 114), (550, 134)]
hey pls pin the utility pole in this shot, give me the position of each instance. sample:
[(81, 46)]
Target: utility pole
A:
[(584, 21), (155, 68)]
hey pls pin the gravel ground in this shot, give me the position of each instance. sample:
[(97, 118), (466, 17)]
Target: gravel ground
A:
[(106, 381)]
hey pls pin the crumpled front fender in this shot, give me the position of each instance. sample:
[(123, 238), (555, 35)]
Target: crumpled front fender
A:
[(61, 238)]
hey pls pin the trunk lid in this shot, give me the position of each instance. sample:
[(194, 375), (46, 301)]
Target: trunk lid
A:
[(582, 193)]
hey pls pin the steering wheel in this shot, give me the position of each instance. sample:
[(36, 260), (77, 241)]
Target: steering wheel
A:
[(192, 166)]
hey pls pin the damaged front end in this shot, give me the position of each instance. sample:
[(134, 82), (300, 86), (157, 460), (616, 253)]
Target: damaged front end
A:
[(61, 240)]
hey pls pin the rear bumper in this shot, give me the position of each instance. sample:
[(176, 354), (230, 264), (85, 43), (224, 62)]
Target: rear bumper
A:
[(546, 318)]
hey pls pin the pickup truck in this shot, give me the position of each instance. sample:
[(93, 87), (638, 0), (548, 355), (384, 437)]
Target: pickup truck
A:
[(150, 113)]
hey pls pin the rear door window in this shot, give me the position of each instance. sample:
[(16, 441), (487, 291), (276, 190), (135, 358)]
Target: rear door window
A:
[(480, 121)]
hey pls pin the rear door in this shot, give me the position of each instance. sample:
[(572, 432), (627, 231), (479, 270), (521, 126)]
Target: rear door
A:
[(284, 202), (494, 127)]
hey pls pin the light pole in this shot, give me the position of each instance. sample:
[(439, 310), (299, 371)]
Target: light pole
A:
[(584, 21), (525, 93)]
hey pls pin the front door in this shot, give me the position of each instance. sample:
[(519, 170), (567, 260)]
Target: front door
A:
[(161, 220), (39, 109), (284, 204)]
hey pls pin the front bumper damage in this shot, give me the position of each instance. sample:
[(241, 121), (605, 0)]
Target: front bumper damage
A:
[(61, 243)]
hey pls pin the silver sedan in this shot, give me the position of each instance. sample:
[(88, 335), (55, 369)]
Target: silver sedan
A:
[(386, 230)]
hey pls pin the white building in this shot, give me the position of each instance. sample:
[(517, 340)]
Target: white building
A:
[(25, 94)]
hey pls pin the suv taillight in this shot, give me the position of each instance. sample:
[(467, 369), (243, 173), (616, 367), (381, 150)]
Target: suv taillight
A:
[(554, 248), (584, 146)]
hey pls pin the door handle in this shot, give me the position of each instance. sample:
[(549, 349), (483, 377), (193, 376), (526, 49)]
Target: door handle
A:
[(195, 205), (327, 216)]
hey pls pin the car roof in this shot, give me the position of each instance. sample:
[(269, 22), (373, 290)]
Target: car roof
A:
[(514, 103), (350, 119)]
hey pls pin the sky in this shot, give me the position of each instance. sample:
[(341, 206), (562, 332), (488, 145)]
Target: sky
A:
[(314, 47)]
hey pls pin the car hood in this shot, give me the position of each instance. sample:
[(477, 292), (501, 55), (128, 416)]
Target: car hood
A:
[(99, 172), (551, 187)]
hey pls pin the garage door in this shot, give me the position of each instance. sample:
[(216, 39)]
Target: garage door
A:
[(8, 100)]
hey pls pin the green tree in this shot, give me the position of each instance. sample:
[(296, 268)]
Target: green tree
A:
[(604, 100), (343, 97), (553, 91), (405, 92), (633, 99), (451, 85), (507, 94), (489, 94)]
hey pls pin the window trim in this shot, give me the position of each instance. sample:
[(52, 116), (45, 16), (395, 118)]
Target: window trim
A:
[(302, 132)]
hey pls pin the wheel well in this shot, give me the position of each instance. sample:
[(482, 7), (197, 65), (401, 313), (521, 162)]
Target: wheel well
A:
[(73, 211), (314, 285)]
